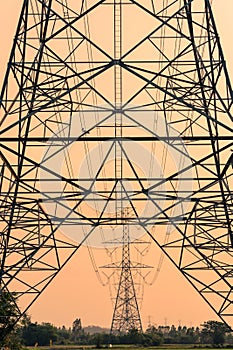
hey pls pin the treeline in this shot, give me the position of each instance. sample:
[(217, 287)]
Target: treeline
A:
[(211, 332)]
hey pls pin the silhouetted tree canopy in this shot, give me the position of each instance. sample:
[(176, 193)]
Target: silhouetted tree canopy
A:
[(214, 332), (9, 313)]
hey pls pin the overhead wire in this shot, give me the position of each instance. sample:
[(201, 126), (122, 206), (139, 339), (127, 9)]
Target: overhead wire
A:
[(60, 121), (88, 157), (87, 149), (57, 109), (172, 69)]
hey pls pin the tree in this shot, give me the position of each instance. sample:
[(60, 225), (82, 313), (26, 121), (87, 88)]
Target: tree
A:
[(155, 336), (64, 335), (213, 332), (42, 334), (77, 330), (9, 314)]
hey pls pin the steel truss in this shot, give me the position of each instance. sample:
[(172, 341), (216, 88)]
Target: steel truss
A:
[(126, 315), (162, 87), (128, 282)]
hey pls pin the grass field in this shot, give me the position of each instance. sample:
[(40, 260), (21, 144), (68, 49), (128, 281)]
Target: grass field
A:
[(132, 347)]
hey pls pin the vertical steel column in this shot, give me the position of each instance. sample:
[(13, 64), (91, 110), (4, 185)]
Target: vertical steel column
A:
[(118, 106)]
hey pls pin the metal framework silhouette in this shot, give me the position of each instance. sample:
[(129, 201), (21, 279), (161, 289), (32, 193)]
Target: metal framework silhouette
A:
[(126, 315), (108, 104), (128, 277)]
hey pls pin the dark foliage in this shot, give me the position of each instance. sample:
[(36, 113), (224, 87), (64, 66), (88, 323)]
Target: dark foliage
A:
[(9, 313), (212, 332), (28, 333)]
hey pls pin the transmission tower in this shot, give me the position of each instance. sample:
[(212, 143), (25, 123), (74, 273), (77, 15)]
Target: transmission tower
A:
[(126, 314), (107, 105)]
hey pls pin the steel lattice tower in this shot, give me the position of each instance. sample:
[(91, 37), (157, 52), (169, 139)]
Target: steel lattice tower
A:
[(113, 104), (126, 314)]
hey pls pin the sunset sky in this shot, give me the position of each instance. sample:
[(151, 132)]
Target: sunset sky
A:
[(76, 292)]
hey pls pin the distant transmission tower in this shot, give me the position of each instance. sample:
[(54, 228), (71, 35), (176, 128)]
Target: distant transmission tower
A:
[(107, 105), (126, 314)]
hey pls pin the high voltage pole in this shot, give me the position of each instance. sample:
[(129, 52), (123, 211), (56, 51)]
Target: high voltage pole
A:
[(126, 315), (108, 105)]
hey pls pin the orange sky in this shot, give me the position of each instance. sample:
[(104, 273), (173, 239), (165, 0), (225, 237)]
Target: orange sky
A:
[(76, 291)]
